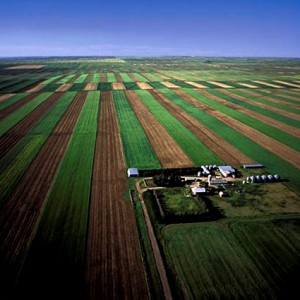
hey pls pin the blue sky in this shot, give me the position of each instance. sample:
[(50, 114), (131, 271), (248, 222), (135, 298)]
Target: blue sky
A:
[(157, 27)]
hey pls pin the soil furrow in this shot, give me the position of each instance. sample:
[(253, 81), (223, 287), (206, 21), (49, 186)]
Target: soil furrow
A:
[(167, 150), (114, 266)]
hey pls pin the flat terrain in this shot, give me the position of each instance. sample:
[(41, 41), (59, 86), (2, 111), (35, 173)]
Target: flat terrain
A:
[(70, 128)]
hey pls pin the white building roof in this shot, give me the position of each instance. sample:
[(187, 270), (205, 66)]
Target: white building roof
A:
[(197, 190), (133, 172)]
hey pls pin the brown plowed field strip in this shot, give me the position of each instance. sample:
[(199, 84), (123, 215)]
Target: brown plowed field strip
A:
[(166, 149), (114, 263), (223, 149), (36, 88), (118, 86), (118, 77), (277, 124), (268, 107), (132, 76), (170, 85), (288, 83), (10, 109), (144, 86), (290, 155), (269, 84), (293, 91), (260, 96), (64, 87), (103, 77), (17, 132), (286, 95), (91, 86), (21, 213)]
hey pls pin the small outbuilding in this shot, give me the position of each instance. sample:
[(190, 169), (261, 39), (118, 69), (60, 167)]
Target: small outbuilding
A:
[(133, 172), (252, 166), (198, 190)]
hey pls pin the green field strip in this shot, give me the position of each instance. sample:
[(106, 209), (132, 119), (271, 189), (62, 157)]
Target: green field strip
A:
[(50, 87), (285, 92), (209, 85), (266, 129), (275, 96), (111, 77), (187, 141), (96, 78), (19, 114), (51, 79), (57, 252), (274, 164), (14, 164), (65, 79), (19, 86), (269, 103), (104, 86), (253, 258), (9, 83), (140, 77), (131, 86), (12, 100), (157, 85), (152, 77), (262, 111), (81, 78), (126, 78), (77, 87), (181, 83), (137, 148)]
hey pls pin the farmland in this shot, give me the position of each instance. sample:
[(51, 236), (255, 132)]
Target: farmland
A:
[(70, 128)]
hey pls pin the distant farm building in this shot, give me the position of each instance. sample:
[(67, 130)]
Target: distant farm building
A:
[(252, 166), (198, 190), (227, 171), (217, 181), (133, 172)]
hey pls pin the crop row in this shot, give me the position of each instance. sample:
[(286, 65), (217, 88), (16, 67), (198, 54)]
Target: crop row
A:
[(57, 251), (196, 150), (268, 130), (137, 148), (15, 163)]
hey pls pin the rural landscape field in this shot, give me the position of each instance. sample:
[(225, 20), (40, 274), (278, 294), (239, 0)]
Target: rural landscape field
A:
[(73, 225)]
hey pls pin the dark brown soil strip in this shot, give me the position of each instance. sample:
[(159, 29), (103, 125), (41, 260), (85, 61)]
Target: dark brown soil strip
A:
[(20, 215), (10, 109), (268, 107), (114, 263), (167, 150)]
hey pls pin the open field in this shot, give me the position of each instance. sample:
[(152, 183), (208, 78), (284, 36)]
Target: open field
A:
[(69, 129)]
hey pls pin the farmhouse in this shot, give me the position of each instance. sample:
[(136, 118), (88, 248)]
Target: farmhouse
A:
[(227, 171), (133, 172)]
